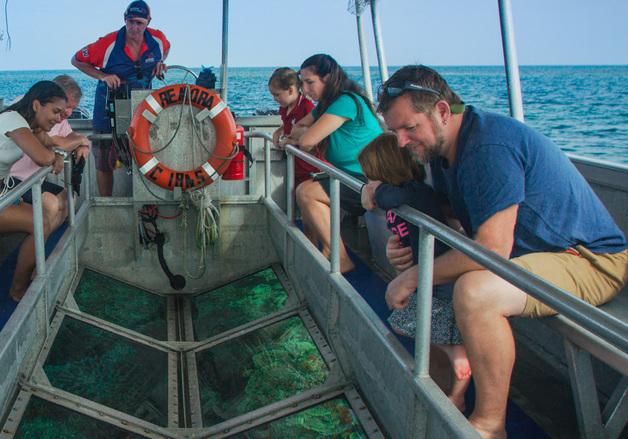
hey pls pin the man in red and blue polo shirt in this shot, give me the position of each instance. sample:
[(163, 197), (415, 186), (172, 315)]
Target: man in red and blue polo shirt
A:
[(128, 58)]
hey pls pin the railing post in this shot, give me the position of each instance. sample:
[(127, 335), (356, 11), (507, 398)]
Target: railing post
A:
[(424, 304), (334, 195), (290, 187), (38, 230), (67, 177), (364, 57), (510, 60), (584, 391), (225, 50), (267, 173), (379, 43)]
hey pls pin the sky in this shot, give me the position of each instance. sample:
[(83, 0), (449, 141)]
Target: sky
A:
[(45, 34)]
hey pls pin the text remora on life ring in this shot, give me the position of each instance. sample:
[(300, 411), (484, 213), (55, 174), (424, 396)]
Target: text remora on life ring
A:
[(211, 106)]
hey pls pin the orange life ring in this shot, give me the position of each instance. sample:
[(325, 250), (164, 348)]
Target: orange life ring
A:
[(211, 106)]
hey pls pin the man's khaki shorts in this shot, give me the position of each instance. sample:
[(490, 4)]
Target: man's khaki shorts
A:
[(594, 278)]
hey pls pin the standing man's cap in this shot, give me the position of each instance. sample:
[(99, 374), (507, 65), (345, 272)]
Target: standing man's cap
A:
[(137, 9)]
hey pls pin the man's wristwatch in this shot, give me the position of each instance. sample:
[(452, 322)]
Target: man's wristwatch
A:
[(60, 152)]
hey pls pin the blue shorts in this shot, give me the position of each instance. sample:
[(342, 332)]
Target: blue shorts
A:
[(350, 201), (46, 186)]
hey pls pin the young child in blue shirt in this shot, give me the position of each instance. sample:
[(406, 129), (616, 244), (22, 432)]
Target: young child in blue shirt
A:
[(399, 180)]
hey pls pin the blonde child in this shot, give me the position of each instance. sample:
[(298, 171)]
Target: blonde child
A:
[(397, 179)]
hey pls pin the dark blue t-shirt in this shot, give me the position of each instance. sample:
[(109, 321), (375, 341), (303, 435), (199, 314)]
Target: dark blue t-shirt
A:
[(501, 162)]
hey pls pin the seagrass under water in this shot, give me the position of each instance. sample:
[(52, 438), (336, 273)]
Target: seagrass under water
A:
[(122, 304), (45, 420), (269, 364)]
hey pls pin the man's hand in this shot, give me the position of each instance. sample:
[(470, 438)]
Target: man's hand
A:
[(81, 152), (401, 288), (159, 70), (368, 194), (113, 81), (400, 257), (70, 142)]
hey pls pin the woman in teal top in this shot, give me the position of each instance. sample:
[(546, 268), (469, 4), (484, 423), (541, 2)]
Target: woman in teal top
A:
[(342, 123)]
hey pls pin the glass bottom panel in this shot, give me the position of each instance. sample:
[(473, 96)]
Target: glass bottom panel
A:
[(111, 370), (237, 303), (259, 368), (44, 420), (122, 304), (332, 419)]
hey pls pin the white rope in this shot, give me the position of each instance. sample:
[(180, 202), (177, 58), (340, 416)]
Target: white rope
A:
[(8, 184), (206, 233)]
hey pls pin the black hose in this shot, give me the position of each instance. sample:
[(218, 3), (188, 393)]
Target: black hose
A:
[(176, 280)]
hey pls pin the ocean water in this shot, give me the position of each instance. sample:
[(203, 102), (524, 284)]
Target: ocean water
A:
[(584, 109)]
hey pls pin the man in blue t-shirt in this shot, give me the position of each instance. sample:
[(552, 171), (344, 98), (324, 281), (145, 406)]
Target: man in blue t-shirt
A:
[(516, 194)]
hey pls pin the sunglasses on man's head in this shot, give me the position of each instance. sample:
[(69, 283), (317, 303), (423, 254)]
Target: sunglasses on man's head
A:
[(394, 90)]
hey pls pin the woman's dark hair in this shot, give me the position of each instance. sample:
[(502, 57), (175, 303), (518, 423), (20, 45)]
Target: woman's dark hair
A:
[(42, 91), (284, 78), (336, 83)]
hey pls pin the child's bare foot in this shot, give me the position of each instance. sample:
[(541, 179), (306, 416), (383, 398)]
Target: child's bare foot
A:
[(459, 361), (460, 373)]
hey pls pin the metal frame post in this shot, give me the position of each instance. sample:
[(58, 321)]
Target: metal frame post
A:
[(67, 177), (364, 57), (510, 60), (584, 391), (379, 43), (267, 189), (424, 304), (334, 195), (290, 187), (38, 230), (225, 50)]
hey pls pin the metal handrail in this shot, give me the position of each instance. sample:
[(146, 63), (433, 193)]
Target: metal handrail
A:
[(606, 164), (15, 193), (587, 316)]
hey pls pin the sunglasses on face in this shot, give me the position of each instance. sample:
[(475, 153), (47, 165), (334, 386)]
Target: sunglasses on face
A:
[(394, 90)]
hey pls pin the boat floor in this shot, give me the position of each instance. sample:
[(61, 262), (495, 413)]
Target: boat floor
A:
[(243, 360)]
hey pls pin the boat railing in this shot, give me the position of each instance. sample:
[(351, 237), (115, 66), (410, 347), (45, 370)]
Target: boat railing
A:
[(611, 331)]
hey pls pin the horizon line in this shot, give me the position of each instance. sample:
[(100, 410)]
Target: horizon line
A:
[(357, 66)]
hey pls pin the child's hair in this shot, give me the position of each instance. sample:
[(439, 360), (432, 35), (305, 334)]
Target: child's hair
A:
[(284, 78), (383, 160)]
